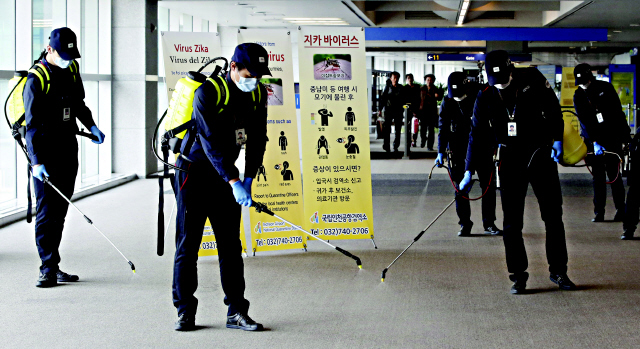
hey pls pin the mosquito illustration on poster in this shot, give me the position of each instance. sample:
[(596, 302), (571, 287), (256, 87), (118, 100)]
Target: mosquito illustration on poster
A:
[(332, 67)]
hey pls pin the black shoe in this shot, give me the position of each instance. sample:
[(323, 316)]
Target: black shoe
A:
[(627, 234), (395, 150), (598, 218), (243, 322), (519, 283), (619, 217), (47, 280), (465, 229), (387, 149), (519, 287), (421, 145), (493, 230), (185, 323), (563, 282), (64, 277)]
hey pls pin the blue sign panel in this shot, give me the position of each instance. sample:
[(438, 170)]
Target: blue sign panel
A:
[(488, 34), (297, 101), (432, 57)]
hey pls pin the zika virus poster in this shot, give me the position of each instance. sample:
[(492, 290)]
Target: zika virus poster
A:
[(336, 157), (278, 183)]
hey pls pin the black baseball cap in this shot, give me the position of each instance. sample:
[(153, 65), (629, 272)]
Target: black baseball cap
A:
[(253, 57), (582, 74), (456, 85), (498, 67), (64, 41)]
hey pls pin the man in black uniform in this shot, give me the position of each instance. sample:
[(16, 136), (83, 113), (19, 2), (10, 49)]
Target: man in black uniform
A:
[(604, 127), (632, 207), (455, 123), (520, 112), (212, 187), (392, 100), (51, 111)]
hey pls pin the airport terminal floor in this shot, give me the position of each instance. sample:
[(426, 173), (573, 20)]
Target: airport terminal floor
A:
[(446, 292)]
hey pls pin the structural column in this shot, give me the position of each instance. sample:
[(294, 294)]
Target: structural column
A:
[(135, 85)]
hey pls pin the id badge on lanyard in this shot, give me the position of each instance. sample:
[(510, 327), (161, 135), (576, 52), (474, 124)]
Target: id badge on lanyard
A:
[(241, 136), (66, 114), (600, 118), (512, 127)]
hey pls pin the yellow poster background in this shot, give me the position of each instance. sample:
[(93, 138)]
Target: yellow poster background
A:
[(568, 87), (278, 183), (336, 161), (208, 246), (623, 84)]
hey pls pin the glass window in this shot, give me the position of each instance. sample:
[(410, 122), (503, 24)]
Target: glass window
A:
[(89, 150), (42, 13), (7, 34), (8, 178), (89, 44)]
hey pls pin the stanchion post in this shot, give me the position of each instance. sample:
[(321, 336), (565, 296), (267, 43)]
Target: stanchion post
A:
[(407, 133)]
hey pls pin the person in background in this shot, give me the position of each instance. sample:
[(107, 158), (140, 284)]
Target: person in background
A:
[(604, 128), (428, 111), (455, 124), (392, 101)]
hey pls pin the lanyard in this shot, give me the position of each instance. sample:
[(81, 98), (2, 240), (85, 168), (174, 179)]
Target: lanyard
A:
[(511, 116)]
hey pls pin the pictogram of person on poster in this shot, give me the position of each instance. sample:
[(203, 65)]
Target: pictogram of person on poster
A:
[(323, 143), (282, 141), (352, 148), (287, 175), (324, 117), (350, 117)]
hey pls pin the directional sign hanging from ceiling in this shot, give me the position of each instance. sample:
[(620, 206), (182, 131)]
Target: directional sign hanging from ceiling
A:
[(432, 57)]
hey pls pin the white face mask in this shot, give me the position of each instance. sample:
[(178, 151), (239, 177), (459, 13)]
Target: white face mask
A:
[(246, 84), (61, 62), (460, 98), (503, 86)]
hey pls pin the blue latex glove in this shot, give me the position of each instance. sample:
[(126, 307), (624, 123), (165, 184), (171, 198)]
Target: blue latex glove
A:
[(247, 184), (464, 183), (241, 195), (440, 160), (96, 132), (39, 171), (598, 149), (556, 151)]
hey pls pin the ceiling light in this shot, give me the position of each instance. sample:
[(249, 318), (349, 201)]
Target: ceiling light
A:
[(634, 25), (617, 31)]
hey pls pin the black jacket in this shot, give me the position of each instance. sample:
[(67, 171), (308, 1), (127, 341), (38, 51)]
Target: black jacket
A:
[(393, 98), (537, 115), (48, 135), (601, 97), (455, 123), (216, 137)]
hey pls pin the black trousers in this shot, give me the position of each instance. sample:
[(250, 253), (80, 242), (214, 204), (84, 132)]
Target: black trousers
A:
[(427, 134), (515, 178), (463, 206), (51, 208), (604, 166), (202, 193), (632, 206), (397, 119)]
